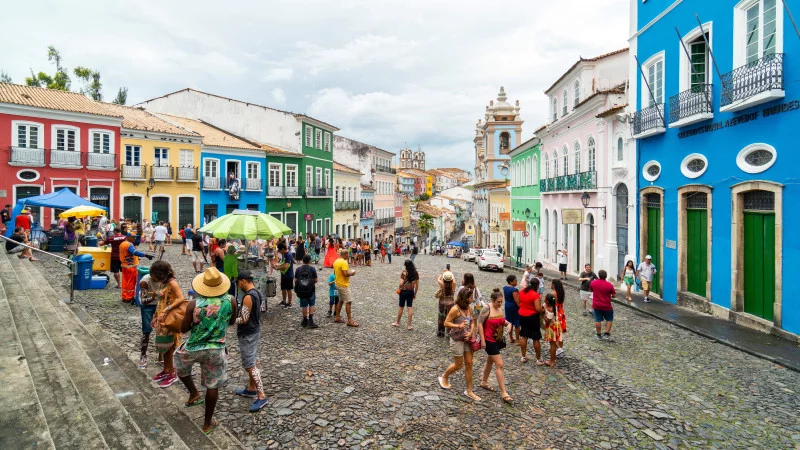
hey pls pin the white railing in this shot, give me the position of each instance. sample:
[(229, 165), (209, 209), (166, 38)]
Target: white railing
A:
[(211, 182), (133, 172), (162, 172), (65, 158), (275, 191), (187, 173), (100, 160), (253, 184), (27, 156), (292, 191)]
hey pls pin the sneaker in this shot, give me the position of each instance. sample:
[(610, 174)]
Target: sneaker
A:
[(245, 393), (304, 323), (312, 324), (599, 338), (607, 337), (330, 314), (143, 362), (258, 404), (168, 381), (160, 376), (585, 313), (647, 299), (560, 353)]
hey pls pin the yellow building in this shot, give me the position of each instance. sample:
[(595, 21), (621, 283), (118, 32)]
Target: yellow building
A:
[(429, 184), (159, 160), (347, 201)]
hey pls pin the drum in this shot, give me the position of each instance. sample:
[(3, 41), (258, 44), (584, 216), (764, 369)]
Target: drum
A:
[(272, 287)]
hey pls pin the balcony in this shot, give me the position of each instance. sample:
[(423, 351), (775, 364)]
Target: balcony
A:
[(648, 121), (65, 159), (755, 83), (385, 169), (384, 221), (101, 161), (212, 183), (283, 191), (252, 184), (187, 174), (572, 182), (32, 157), (317, 192), (366, 214), (346, 205), (162, 173), (133, 172), (691, 106)]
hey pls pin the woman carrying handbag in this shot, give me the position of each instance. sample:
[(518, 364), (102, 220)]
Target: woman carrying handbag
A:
[(168, 317)]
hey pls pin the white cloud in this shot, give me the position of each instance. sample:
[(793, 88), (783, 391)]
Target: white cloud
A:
[(278, 74), (279, 96)]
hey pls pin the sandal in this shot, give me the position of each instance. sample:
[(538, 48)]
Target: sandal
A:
[(508, 399), (352, 324), (339, 321), (213, 425), (486, 387), (540, 362), (474, 399), (523, 360), (396, 325), (198, 401), (441, 384)]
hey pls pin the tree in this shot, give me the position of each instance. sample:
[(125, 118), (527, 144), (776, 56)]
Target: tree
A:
[(60, 80), (425, 224), (92, 86), (122, 96), (4, 78), (424, 197)]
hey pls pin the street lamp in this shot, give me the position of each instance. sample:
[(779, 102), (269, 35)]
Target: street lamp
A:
[(288, 203), (585, 200), (151, 183)]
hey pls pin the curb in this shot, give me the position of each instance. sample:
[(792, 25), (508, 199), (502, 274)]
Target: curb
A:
[(795, 367)]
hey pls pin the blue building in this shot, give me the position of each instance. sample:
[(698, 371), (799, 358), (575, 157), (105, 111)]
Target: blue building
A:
[(232, 171), (715, 108)]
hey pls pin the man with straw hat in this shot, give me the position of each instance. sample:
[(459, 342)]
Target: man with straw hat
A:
[(208, 318)]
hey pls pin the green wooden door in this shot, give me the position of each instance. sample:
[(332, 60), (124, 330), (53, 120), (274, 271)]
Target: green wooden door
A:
[(132, 208), (697, 250), (654, 244), (759, 263)]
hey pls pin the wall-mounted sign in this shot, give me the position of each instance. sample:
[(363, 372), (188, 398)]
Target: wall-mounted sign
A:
[(308, 217), (518, 225), (671, 244), (571, 216), (743, 118), (504, 216)]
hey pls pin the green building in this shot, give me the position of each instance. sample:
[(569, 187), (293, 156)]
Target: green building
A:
[(525, 204)]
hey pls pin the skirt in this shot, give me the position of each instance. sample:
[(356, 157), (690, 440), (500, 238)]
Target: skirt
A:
[(530, 327)]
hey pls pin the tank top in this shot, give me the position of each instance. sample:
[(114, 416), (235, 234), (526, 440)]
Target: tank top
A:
[(252, 324), (493, 328)]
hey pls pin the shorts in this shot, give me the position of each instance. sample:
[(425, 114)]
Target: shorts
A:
[(492, 348), (458, 348), (17, 249), (188, 244), (248, 349), (147, 317), (600, 316), (531, 327), (197, 256), (344, 294), (645, 284), (116, 265), (306, 302), (406, 298), (334, 299), (628, 281), (158, 243), (213, 365), (562, 267), (586, 295), (287, 283), (512, 313)]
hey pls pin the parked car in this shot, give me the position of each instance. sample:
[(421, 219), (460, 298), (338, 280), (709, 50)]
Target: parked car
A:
[(490, 259), (469, 255), (478, 252)]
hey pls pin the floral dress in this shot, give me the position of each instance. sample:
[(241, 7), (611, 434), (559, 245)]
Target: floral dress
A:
[(553, 331)]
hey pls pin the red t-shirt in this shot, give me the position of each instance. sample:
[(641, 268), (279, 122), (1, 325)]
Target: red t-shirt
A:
[(527, 302), (602, 291), (115, 241), (24, 221)]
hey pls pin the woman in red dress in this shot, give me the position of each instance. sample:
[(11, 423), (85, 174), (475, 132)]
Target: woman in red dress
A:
[(332, 254)]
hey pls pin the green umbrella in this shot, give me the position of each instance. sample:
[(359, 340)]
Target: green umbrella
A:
[(245, 224)]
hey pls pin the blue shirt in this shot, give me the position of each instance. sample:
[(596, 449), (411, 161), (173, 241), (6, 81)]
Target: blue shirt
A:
[(508, 293), (333, 292), (189, 233)]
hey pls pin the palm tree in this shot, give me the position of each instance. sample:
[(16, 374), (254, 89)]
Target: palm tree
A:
[(425, 224)]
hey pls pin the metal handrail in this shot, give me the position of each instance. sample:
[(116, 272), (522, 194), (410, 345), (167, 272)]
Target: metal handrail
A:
[(65, 261)]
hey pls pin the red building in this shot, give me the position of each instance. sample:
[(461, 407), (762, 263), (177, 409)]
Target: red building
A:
[(54, 140)]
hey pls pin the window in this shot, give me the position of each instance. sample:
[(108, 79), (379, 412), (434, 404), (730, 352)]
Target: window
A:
[(291, 175), (319, 177), (28, 175), (546, 167), (694, 165), (577, 93), (564, 103), (309, 130), (133, 155), (577, 157), (328, 178), (535, 170), (555, 163), (101, 142), (274, 175), (620, 149), (698, 51), (555, 109), (211, 168), (309, 176), (565, 159), (651, 171), (336, 194), (66, 139), (591, 155), (761, 32), (27, 135), (756, 158), (253, 169), (655, 79), (186, 158), (327, 141), (161, 157), (318, 139)]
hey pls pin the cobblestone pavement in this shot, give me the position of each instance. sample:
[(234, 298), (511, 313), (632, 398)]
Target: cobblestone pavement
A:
[(655, 386)]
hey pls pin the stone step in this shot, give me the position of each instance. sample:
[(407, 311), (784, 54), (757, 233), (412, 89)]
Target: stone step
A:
[(68, 419), (143, 413), (167, 402), (112, 419), (22, 423)]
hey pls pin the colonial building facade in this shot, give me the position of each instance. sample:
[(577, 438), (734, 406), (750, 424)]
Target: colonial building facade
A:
[(525, 201), (347, 201)]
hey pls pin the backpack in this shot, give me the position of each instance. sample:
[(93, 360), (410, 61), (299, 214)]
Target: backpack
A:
[(303, 283)]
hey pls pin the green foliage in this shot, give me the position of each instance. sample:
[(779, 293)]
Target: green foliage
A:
[(4, 78), (425, 224), (92, 86), (424, 197), (122, 96), (60, 80)]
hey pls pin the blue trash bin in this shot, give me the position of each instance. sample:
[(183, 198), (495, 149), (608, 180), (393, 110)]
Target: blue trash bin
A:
[(142, 271), (91, 241), (82, 279)]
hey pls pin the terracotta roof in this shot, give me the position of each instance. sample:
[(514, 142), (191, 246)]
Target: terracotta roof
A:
[(580, 60), (343, 168), (429, 209), (618, 89), (365, 187), (540, 129), (212, 135), (53, 99), (611, 111), (139, 119), (278, 151)]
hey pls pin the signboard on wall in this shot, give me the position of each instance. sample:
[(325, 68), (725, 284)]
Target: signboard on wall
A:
[(518, 225), (308, 217), (504, 216), (470, 229), (571, 216)]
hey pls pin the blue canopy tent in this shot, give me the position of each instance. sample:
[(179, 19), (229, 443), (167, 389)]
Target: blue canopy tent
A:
[(456, 244), (63, 199)]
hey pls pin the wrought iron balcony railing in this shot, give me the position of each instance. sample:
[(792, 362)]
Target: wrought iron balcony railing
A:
[(384, 221), (134, 172), (65, 158), (366, 214), (101, 160), (253, 184), (572, 182), (20, 156), (187, 174), (762, 75), (212, 183), (282, 191), (162, 173), (648, 119), (345, 205), (317, 192), (692, 102), (385, 169)]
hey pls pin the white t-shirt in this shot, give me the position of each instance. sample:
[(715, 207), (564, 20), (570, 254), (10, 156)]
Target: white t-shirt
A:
[(562, 258), (646, 271), (160, 233)]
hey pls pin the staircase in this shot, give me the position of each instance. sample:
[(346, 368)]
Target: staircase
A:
[(58, 390)]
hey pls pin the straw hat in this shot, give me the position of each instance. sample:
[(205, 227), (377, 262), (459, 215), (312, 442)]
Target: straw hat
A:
[(211, 283), (447, 276)]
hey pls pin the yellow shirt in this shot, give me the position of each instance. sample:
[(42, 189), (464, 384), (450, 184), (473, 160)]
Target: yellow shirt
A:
[(340, 270)]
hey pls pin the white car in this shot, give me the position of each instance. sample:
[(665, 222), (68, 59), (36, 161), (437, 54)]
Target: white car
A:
[(490, 259), (478, 252), (469, 255)]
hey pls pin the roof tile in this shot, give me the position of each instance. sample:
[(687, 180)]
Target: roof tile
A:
[(53, 99)]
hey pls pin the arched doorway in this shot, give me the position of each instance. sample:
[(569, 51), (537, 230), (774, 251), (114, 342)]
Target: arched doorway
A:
[(554, 245), (590, 238), (622, 226), (652, 232), (546, 234), (534, 243)]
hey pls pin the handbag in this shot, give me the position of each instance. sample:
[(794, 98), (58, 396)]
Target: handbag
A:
[(475, 344), (439, 293), (174, 315)]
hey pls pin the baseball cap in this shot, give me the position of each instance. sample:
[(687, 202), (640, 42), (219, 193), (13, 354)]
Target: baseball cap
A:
[(244, 275), (648, 257)]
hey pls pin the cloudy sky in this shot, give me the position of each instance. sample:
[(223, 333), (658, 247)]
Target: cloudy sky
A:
[(386, 72)]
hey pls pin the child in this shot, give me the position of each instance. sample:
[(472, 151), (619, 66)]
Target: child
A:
[(333, 294), (552, 332), (540, 277), (558, 291)]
